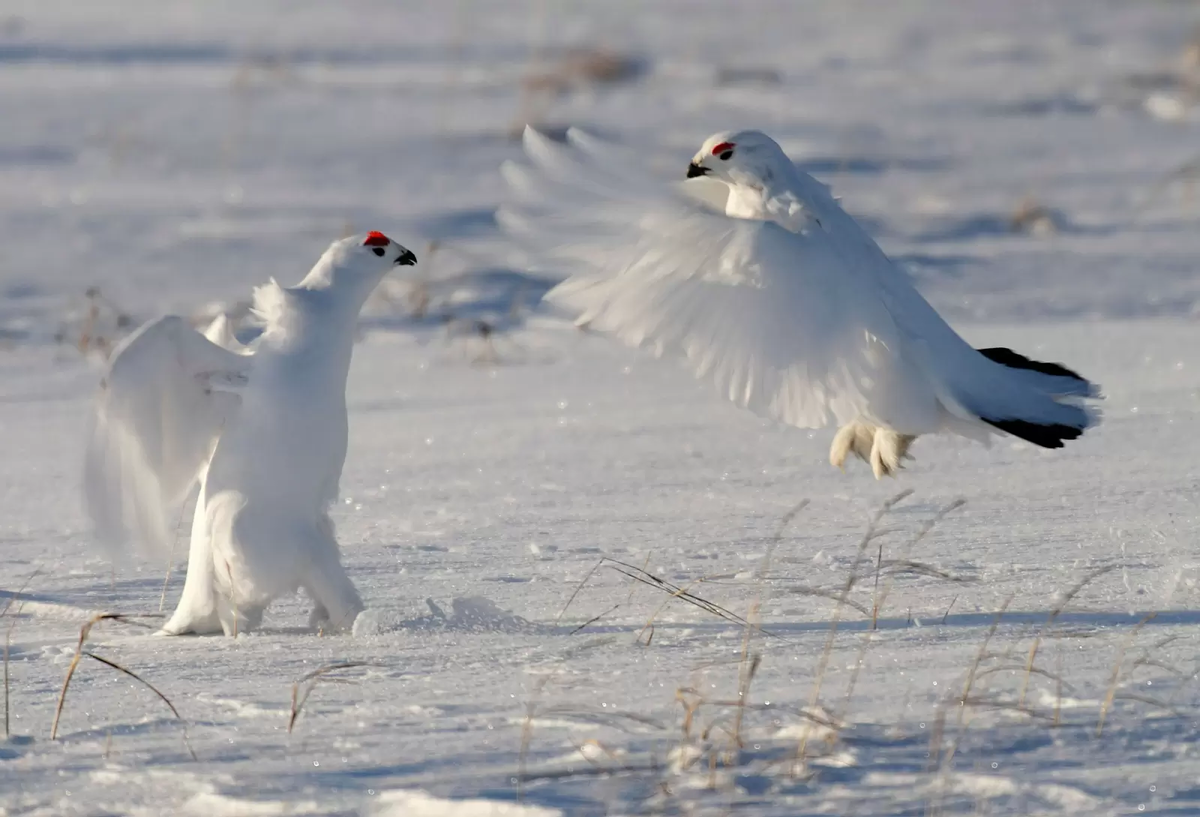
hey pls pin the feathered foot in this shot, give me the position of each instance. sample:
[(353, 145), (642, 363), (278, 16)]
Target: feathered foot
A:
[(882, 447), (853, 438)]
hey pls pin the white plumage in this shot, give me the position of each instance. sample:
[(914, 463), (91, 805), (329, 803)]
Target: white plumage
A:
[(753, 274), (263, 432)]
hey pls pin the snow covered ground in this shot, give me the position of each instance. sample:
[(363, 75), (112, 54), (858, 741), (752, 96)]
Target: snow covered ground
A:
[(172, 154)]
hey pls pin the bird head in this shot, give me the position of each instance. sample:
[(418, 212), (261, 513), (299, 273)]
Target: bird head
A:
[(357, 264), (747, 157), (371, 252)]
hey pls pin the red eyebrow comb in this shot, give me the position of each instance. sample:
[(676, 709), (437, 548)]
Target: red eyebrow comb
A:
[(376, 239), (721, 148)]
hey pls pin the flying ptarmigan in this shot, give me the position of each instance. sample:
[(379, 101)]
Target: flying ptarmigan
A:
[(751, 272), (263, 431)]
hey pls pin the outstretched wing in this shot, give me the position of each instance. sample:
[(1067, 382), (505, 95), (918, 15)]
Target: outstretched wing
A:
[(161, 405), (776, 318)]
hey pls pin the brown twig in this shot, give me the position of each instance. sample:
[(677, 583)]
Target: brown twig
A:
[(308, 682)]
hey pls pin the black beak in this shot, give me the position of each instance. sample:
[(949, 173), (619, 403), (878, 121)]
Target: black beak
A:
[(695, 170), (406, 259)]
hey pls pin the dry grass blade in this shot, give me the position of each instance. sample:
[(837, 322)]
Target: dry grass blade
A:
[(20, 590), (983, 653), (832, 595), (1146, 661), (817, 718), (1116, 673), (748, 665), (594, 619), (1045, 673), (579, 587), (527, 729), (1146, 699), (677, 592), (84, 632), (872, 532), (1162, 642), (859, 660), (8, 640), (935, 749), (893, 568), (787, 520), (7, 647), (946, 615), (1006, 706), (843, 599), (153, 689), (1054, 614), (603, 717), (747, 678), (902, 566), (308, 682), (633, 585)]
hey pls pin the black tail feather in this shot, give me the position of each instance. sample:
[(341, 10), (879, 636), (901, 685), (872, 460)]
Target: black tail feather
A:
[(1009, 358), (1050, 435), (1047, 435)]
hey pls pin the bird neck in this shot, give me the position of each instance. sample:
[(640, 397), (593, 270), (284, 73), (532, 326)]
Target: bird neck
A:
[(771, 197), (746, 201), (343, 291), (317, 316), (309, 338), (752, 191)]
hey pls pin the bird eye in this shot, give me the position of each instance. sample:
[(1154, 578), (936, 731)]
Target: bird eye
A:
[(378, 251), (724, 157)]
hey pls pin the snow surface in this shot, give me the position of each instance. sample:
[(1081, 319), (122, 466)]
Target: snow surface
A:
[(173, 154)]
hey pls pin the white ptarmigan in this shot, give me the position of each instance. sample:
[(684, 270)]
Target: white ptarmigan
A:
[(263, 430), (752, 273)]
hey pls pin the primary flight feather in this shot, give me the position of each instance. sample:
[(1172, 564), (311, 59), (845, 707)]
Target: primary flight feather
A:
[(751, 272)]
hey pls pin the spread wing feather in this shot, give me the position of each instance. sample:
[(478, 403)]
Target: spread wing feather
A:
[(162, 403), (772, 316)]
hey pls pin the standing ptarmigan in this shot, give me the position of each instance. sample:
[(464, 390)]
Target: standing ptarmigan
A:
[(263, 430), (752, 273)]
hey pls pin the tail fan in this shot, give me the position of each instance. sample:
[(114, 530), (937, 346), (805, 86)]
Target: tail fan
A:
[(1059, 382)]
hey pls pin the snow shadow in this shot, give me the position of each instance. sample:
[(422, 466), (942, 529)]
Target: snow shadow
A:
[(17, 598), (219, 52), (1090, 619), (14, 746), (473, 614)]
